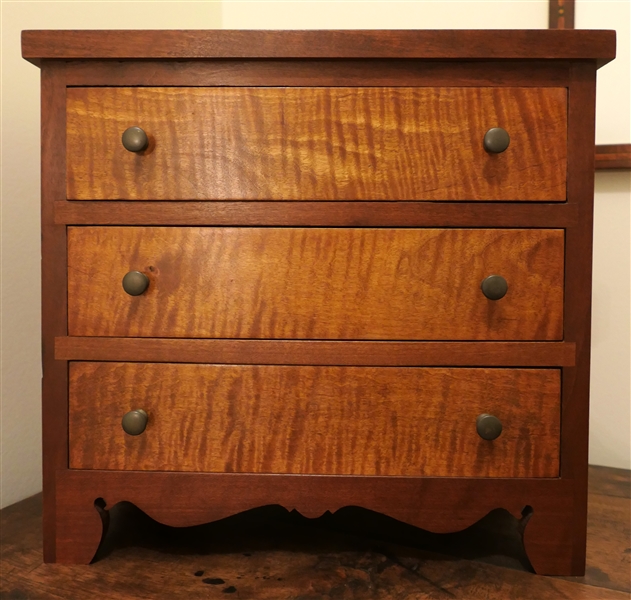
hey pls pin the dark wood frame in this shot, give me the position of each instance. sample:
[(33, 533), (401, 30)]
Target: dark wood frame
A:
[(326, 44), (555, 534), (561, 14), (609, 156), (54, 300), (613, 156)]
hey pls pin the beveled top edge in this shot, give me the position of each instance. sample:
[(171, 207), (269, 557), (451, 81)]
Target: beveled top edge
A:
[(598, 45)]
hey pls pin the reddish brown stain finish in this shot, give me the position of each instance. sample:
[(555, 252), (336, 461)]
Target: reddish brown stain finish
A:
[(561, 14), (54, 298), (330, 144), (386, 284), (456, 45), (613, 156), (541, 79), (349, 72), (293, 352), (315, 420), (437, 504), (275, 555), (317, 214), (578, 300)]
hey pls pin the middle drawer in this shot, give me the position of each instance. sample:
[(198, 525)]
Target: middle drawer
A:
[(312, 283)]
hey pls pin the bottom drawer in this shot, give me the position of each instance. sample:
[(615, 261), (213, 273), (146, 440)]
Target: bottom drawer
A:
[(315, 420)]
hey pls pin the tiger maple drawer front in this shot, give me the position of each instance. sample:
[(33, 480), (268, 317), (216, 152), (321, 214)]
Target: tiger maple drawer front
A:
[(316, 143), (317, 420), (310, 283)]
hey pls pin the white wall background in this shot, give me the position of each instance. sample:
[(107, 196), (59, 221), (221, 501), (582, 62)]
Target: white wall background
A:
[(20, 414), (388, 14), (20, 420), (610, 413)]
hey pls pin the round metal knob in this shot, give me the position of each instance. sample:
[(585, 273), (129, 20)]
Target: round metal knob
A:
[(135, 422), (494, 287), (135, 139), (135, 283), (488, 427), (496, 140)]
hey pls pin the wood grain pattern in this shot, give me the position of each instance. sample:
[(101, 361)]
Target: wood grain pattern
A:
[(315, 420), (320, 73), (317, 214), (561, 14), (608, 481), (610, 550), (468, 61), (438, 504), (54, 297), (578, 299), (613, 156), (315, 558), (317, 144), (597, 46), (314, 283), (291, 352)]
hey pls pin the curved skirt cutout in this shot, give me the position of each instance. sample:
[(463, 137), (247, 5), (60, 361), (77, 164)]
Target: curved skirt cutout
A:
[(438, 505)]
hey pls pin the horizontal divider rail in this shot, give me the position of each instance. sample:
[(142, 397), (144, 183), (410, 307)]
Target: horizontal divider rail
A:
[(316, 214), (308, 352)]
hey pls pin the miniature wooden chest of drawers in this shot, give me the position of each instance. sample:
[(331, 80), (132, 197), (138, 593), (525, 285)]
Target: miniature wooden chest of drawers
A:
[(318, 269)]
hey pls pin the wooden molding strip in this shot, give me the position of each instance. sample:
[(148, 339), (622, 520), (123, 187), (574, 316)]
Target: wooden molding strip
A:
[(428, 44), (561, 14), (312, 72), (315, 214), (613, 156), (276, 352)]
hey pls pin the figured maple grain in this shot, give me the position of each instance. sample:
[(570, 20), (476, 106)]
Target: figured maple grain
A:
[(316, 420), (310, 283), (367, 143)]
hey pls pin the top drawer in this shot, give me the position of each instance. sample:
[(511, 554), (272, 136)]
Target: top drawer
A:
[(317, 144)]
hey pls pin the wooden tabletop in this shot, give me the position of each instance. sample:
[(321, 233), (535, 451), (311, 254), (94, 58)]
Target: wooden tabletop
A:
[(430, 44), (270, 554)]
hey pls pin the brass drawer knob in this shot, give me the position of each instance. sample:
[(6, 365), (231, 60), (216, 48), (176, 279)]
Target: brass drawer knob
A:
[(135, 139), (488, 427), (135, 422), (494, 287), (496, 140), (135, 283)]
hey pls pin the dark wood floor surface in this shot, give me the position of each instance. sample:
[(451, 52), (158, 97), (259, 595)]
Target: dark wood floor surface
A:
[(272, 554)]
